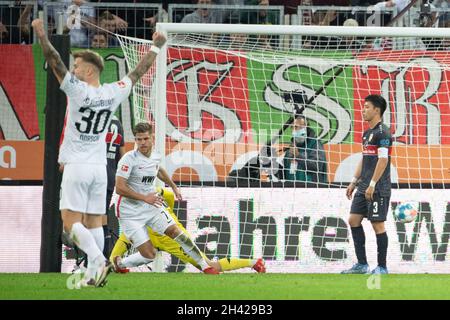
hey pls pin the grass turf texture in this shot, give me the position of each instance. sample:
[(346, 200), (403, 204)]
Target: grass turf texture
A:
[(180, 286)]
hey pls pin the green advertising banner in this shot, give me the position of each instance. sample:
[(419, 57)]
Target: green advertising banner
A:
[(258, 78), (268, 80)]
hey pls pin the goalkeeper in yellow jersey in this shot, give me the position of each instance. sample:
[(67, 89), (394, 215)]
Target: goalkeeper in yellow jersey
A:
[(166, 244)]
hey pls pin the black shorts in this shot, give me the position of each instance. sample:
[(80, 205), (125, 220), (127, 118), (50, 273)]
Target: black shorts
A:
[(375, 210)]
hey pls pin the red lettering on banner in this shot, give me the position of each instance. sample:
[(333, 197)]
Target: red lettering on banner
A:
[(17, 78), (200, 85), (415, 87)]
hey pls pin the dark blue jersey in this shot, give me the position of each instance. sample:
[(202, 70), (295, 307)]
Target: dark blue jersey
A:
[(373, 139), (114, 140)]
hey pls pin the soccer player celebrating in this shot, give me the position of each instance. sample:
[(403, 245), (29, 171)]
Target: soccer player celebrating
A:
[(374, 186), (166, 244), (139, 205), (83, 150)]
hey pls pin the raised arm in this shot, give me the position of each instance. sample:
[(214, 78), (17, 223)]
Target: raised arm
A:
[(51, 55), (147, 60)]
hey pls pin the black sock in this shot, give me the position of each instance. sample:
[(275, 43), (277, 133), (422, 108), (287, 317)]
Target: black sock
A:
[(382, 244), (107, 246), (359, 240)]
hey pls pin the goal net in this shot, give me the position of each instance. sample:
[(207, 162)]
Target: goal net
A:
[(224, 100)]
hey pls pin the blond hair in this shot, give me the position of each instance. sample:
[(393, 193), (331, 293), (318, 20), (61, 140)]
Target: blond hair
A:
[(91, 57)]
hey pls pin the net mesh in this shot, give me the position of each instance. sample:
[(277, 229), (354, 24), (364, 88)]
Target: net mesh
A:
[(230, 103)]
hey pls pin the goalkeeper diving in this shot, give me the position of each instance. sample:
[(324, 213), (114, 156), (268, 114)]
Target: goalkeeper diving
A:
[(166, 244)]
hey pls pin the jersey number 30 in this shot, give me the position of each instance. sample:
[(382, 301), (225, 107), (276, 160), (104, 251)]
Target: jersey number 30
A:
[(93, 122)]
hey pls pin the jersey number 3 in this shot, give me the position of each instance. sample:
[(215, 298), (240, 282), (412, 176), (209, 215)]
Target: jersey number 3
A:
[(93, 122)]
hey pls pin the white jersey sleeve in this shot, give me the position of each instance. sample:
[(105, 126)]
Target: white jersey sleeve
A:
[(73, 87), (122, 88), (125, 166)]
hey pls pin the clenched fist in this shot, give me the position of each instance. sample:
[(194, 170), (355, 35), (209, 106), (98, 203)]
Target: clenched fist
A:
[(158, 39), (38, 26)]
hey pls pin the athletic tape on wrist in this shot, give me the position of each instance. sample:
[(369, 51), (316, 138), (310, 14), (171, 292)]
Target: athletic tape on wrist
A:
[(155, 49)]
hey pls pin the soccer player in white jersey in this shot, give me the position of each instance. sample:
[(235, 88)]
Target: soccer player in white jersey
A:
[(140, 205), (83, 149)]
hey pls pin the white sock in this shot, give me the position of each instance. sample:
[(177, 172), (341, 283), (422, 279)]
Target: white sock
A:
[(135, 260), (100, 242), (191, 249), (90, 271), (99, 237), (86, 242)]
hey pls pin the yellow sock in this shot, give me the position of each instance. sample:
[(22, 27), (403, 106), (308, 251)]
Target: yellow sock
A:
[(120, 247), (235, 263)]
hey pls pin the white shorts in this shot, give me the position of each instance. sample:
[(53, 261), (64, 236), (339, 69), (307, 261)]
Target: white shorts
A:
[(136, 229), (83, 188)]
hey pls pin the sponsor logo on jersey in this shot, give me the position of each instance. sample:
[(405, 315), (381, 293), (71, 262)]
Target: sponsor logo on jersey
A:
[(385, 142), (87, 101), (370, 150), (100, 103), (148, 179), (121, 84), (124, 168)]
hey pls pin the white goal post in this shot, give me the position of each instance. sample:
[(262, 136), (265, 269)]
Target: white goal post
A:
[(223, 98)]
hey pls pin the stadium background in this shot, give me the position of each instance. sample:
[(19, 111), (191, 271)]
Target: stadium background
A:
[(325, 247)]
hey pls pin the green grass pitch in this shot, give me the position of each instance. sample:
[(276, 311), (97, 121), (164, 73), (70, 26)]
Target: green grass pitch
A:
[(232, 286)]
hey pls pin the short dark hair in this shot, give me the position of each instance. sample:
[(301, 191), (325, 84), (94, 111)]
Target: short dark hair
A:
[(90, 57), (106, 15), (301, 116), (142, 127), (378, 102)]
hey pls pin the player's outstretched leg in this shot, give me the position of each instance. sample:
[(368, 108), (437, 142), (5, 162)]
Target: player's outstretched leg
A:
[(190, 248), (145, 255), (134, 260), (228, 264)]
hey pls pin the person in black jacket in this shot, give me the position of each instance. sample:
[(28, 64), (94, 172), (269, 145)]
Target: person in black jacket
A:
[(305, 159)]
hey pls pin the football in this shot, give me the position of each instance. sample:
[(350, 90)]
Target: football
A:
[(406, 211)]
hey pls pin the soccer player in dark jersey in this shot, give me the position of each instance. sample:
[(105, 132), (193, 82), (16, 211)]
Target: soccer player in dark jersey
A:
[(373, 179), (115, 149)]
